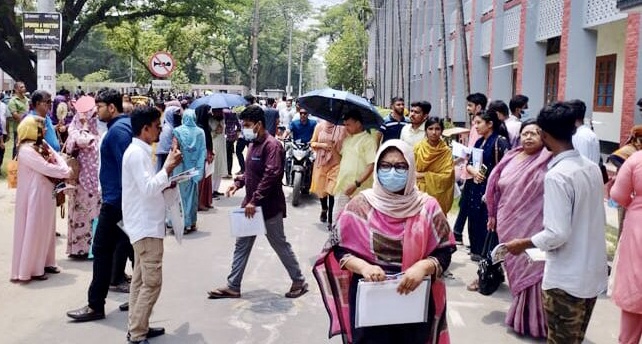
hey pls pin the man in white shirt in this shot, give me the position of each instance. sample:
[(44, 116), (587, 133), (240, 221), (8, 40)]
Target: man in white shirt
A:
[(585, 140), (512, 123), (286, 115), (518, 106), (573, 235), (416, 131), (144, 219)]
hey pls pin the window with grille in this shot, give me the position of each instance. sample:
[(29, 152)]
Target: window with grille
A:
[(604, 83), (551, 81)]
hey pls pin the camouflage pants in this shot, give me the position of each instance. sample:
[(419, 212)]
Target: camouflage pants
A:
[(567, 316)]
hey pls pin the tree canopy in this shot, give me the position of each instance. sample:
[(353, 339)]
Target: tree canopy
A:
[(345, 27), (80, 17)]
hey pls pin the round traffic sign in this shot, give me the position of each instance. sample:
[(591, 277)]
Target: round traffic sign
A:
[(162, 64)]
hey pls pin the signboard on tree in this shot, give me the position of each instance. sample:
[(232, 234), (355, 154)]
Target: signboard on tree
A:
[(42, 30), (162, 64)]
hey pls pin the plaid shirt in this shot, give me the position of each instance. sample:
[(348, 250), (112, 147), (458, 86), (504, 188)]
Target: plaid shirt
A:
[(232, 126)]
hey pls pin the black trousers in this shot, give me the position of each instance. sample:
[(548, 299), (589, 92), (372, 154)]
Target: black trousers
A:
[(108, 237), (124, 250), (240, 147), (229, 145), (2, 150), (462, 216)]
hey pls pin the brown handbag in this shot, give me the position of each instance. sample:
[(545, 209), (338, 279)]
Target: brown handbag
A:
[(12, 173)]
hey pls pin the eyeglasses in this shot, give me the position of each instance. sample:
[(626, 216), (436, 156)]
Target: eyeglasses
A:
[(400, 167)]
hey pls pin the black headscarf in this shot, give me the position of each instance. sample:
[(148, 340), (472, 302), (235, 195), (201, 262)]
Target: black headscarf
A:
[(203, 122)]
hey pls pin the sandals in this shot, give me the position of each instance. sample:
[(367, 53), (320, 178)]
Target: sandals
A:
[(473, 286), (223, 293), (297, 290), (52, 270)]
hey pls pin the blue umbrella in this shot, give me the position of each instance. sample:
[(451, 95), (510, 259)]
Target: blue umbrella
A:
[(331, 105), (219, 101)]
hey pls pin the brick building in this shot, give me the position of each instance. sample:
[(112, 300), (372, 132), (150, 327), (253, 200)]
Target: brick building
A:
[(547, 49)]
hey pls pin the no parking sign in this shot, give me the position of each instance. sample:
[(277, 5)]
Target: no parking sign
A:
[(162, 64)]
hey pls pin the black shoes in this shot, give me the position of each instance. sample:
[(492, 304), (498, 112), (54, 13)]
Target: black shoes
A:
[(151, 333), (324, 216), (124, 307), (85, 314)]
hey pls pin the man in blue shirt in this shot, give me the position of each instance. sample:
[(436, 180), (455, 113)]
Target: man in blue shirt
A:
[(302, 129), (41, 102), (271, 117), (394, 122), (109, 235)]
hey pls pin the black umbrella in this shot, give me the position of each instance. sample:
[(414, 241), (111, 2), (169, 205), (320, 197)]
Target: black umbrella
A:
[(331, 105)]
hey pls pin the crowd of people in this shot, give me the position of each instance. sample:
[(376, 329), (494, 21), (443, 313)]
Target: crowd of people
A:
[(537, 182)]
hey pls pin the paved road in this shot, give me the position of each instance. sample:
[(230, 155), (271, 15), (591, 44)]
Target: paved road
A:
[(35, 313)]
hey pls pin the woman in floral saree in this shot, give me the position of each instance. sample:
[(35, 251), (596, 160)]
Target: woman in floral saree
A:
[(388, 229)]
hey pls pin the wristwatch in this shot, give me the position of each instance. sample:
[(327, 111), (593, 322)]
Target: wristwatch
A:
[(356, 182)]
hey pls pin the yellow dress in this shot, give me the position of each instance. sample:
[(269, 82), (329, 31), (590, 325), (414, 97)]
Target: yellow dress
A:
[(436, 165)]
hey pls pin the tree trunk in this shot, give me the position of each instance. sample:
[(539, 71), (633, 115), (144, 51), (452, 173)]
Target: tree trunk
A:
[(19, 67)]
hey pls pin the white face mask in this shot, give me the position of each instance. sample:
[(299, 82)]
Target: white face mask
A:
[(249, 134)]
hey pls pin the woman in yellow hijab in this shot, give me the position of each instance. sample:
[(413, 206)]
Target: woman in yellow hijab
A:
[(34, 241), (435, 169)]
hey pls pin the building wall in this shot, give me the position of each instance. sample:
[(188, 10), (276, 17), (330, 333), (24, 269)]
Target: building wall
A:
[(611, 40), (503, 36)]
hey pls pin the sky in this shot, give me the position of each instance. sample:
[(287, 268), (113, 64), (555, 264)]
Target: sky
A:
[(319, 3)]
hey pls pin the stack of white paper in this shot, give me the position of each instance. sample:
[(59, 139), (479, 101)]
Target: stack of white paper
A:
[(379, 303), (498, 254), (174, 211), (460, 150), (536, 255), (241, 226), (185, 175), (478, 157)]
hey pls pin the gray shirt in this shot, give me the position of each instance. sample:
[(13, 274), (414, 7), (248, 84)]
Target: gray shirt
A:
[(574, 220)]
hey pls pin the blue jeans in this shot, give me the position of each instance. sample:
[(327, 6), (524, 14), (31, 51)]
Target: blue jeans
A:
[(276, 237)]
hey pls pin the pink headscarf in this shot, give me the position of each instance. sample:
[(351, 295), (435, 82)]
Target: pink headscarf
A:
[(392, 204)]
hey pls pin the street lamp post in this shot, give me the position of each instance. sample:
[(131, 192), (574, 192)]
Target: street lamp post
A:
[(301, 69), (288, 90)]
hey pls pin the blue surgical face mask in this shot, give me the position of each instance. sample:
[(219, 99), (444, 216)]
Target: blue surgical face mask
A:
[(393, 180), (249, 134), (526, 114)]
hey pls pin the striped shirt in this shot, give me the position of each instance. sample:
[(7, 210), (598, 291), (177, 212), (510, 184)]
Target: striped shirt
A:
[(391, 128)]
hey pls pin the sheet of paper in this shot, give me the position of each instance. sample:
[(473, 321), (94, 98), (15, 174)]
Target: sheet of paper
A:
[(183, 176), (174, 211), (209, 169), (478, 157), (498, 254), (536, 255), (460, 150), (379, 303), (241, 226)]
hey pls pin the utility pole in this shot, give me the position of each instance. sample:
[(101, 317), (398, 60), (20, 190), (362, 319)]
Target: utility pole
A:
[(288, 88), (410, 60), (464, 45), (254, 65), (444, 69), (301, 70), (46, 67)]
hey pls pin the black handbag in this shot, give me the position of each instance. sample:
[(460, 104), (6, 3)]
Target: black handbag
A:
[(490, 275)]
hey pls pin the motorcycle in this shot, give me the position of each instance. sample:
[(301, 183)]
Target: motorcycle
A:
[(299, 159)]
